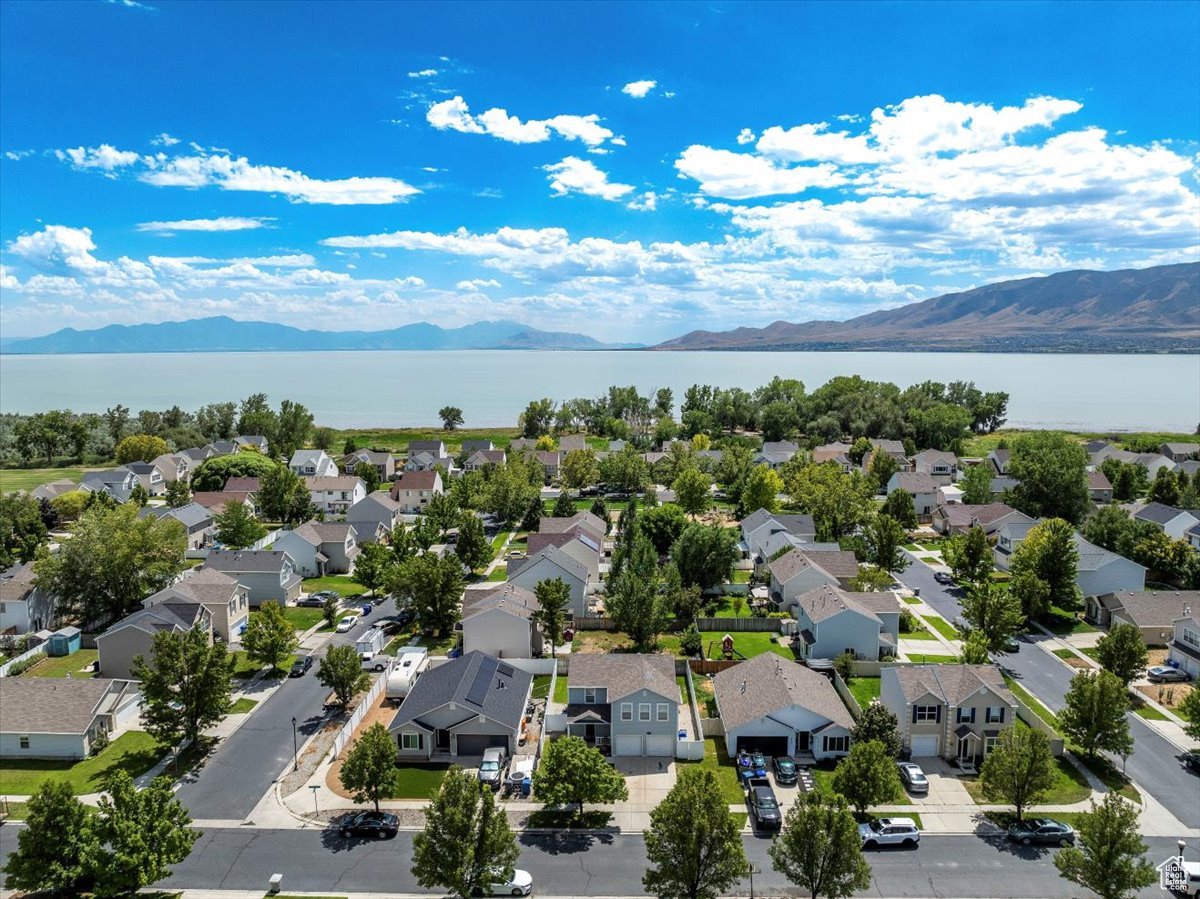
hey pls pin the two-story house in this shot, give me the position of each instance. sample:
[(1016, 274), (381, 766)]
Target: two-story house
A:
[(376, 513), (335, 495), (1098, 571), (320, 548), (1180, 452), (550, 563), (312, 464), (578, 543), (939, 465), (1175, 523), (624, 702), (760, 525), (923, 489), (197, 521), (173, 466), (1100, 491), (470, 446), (956, 712), (133, 635), (1184, 649), (150, 476), (384, 463), (428, 461), (793, 574), (116, 482), (958, 518), (267, 574), (434, 447), (226, 600), (481, 459), (500, 621), (830, 621), (254, 441), (415, 489), (24, 609)]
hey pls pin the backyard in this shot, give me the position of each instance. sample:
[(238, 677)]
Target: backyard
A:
[(12, 479), (865, 690), (61, 666)]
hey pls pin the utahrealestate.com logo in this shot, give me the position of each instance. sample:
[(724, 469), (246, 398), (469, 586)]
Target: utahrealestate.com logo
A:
[(1173, 874)]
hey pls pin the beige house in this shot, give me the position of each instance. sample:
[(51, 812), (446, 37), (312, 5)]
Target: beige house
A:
[(500, 622), (1152, 612), (134, 635), (415, 489), (226, 599)]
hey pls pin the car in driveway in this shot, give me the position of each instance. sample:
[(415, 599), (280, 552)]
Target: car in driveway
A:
[(1161, 674), (784, 767), (346, 624), (520, 884), (491, 768), (380, 825), (1042, 831), (889, 832), (300, 666), (913, 777), (765, 813)]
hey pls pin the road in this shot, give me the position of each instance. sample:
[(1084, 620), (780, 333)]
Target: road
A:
[(243, 767), (919, 577)]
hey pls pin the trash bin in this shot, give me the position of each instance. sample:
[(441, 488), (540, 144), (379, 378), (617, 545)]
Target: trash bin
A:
[(275, 884)]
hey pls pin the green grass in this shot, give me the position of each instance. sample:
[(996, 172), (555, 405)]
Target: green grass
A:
[(934, 559), (341, 584), (912, 547), (942, 626), (242, 705), (912, 600), (418, 781), (1150, 713), (498, 541), (922, 659), (396, 439), (747, 643), (437, 646), (247, 668), (865, 689), (499, 573), (984, 444), (1034, 704), (741, 576), (719, 762), (560, 689), (15, 811), (64, 665), (134, 751), (682, 682), (303, 617), (1108, 774), (919, 634), (740, 819), (541, 686), (27, 478), (1061, 622), (1070, 785)]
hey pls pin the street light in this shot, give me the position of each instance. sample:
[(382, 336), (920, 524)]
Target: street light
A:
[(295, 748)]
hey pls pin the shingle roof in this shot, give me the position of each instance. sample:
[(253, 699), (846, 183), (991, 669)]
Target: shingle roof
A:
[(246, 560), (951, 683), (798, 525), (572, 442), (1097, 481), (624, 673), (836, 447), (1156, 608), (840, 563), (559, 525), (564, 561), (177, 613), (1158, 513), (766, 684), (16, 582), (243, 485), (212, 499), (332, 482), (826, 601), (509, 597), (1092, 557), (379, 497), (963, 515), (189, 515), (930, 456), (303, 457), (780, 446), (501, 691), (915, 482), (318, 532), (539, 541), (206, 585), (416, 480), (1182, 449), (791, 564), (425, 446), (891, 447), (51, 705), (470, 446)]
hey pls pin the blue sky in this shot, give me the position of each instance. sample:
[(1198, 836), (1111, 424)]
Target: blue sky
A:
[(629, 171)]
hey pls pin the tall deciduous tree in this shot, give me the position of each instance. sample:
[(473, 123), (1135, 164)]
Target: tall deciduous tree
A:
[(579, 469), (819, 848), (691, 488), (635, 600), (1052, 473), (293, 427), (839, 503), (1123, 652), (878, 724), (237, 527), (283, 496), (213, 473), (976, 484), (572, 773), (369, 770), (1109, 859), (553, 598), (473, 547), (58, 848), (760, 490), (884, 539), (341, 671), (1094, 715), (1189, 711), (432, 586), (883, 466), (705, 554), (451, 416), (140, 448), (899, 505), (867, 776), (22, 528), (269, 637), (537, 418), (1048, 553), (975, 649), (178, 494), (969, 556), (993, 610), (186, 685), (693, 845), (1019, 769), (375, 561), (368, 474), (466, 845)]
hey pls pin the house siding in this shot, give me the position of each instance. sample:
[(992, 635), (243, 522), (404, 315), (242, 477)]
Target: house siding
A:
[(542, 569), (652, 727), (500, 634)]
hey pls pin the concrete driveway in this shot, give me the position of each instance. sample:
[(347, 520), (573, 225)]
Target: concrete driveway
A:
[(648, 779), (944, 786)]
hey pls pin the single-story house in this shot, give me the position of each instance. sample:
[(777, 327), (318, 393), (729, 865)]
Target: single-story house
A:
[(319, 548), (461, 708), (195, 518), (956, 712), (335, 495), (777, 707), (548, 564), (1175, 523), (60, 718), (625, 702), (1098, 571), (939, 465), (958, 518), (500, 622), (593, 525), (375, 512), (133, 635), (24, 609), (227, 600), (414, 490), (1152, 612), (830, 621), (54, 489), (1184, 649), (922, 487), (312, 463), (268, 574)]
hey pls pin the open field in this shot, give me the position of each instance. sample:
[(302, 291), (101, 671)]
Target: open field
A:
[(27, 478)]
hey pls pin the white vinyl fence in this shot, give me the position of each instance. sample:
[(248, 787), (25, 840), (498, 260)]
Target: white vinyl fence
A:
[(347, 731)]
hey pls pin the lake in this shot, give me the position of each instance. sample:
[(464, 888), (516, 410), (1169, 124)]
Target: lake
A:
[(405, 389)]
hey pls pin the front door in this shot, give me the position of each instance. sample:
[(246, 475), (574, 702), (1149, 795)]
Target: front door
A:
[(441, 740), (589, 734), (964, 749), (803, 741)]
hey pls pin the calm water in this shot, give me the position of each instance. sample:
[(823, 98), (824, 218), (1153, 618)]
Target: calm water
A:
[(401, 389)]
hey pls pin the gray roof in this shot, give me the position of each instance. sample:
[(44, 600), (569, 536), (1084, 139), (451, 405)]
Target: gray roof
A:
[(332, 482), (555, 555), (52, 705), (318, 532), (915, 482), (302, 457), (768, 683), (1154, 608), (470, 446), (509, 597), (999, 485), (381, 498), (246, 560), (950, 683), (1182, 449), (572, 442), (798, 525), (206, 585), (189, 515), (1191, 466), (826, 601), (1092, 557), (539, 541), (625, 673), (891, 447), (426, 446), (587, 520), (16, 583), (930, 456), (1158, 513), (177, 613), (963, 515), (53, 489), (780, 446), (139, 468), (250, 439), (224, 447), (476, 683)]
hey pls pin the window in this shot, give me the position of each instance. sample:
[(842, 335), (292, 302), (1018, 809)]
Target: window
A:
[(410, 741), (989, 743), (995, 715), (589, 695), (643, 711), (24, 741), (663, 711), (627, 711), (836, 744), (925, 713), (966, 716), (1190, 637)]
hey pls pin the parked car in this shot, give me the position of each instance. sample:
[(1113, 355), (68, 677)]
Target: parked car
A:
[(758, 760), (1191, 760), (1162, 673), (1012, 644), (889, 832), (312, 601), (491, 769), (520, 884), (943, 577), (764, 808), (913, 777), (346, 624), (785, 770), (1044, 831), (371, 824), (300, 667)]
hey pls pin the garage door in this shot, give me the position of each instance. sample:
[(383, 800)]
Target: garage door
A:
[(660, 745), (474, 744), (627, 744), (772, 746), (924, 746)]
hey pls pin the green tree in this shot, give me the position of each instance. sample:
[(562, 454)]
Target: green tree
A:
[(994, 611), (867, 776), (178, 494), (899, 505), (625, 470), (138, 496), (283, 496), (819, 848), (1109, 859), (564, 506), (579, 469), (705, 554), (572, 773), (212, 474), (859, 450), (58, 847), (433, 588), (369, 769), (760, 491), (537, 418), (140, 448), (112, 562), (443, 511), (975, 649), (329, 610), (600, 509), (1094, 714), (553, 599), (117, 420), (509, 494), (145, 832), (1123, 652), (269, 637), (635, 600), (1189, 711), (883, 466), (451, 416), (255, 416), (186, 685), (1049, 554), (473, 547), (969, 556), (878, 724), (1052, 472), (368, 474), (694, 845), (22, 528), (323, 438), (237, 527), (68, 506), (1020, 768), (466, 845), (779, 419), (663, 525), (839, 503), (293, 427), (692, 491), (844, 666), (976, 484), (341, 671), (373, 565), (884, 539)]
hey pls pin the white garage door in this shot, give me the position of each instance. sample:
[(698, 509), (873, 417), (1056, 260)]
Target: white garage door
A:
[(924, 746), (660, 745), (627, 744)]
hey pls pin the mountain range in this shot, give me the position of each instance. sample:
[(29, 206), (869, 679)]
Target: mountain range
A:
[(223, 334), (1137, 310)]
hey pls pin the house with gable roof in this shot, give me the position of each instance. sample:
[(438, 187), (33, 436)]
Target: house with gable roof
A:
[(320, 548), (1175, 523), (624, 701), (414, 490), (133, 635), (548, 564), (226, 600), (500, 621), (923, 489), (62, 718), (312, 463), (830, 621), (375, 516)]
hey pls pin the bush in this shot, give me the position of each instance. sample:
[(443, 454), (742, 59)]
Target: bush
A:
[(100, 743), (691, 643), (908, 622)]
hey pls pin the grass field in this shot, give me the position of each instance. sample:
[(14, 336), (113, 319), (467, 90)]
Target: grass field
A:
[(1070, 785), (246, 668), (134, 751), (418, 781), (747, 643), (1061, 622), (27, 478), (982, 445), (541, 686), (1032, 702), (64, 665), (942, 626), (717, 761), (922, 659), (560, 689), (396, 439), (912, 600), (242, 705), (342, 585), (865, 689)]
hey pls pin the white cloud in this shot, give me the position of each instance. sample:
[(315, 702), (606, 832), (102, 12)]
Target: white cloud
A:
[(639, 89), (577, 175), (455, 115), (477, 284), (164, 140), (645, 202), (723, 173), (746, 136), (223, 223), (18, 155), (104, 157), (423, 73)]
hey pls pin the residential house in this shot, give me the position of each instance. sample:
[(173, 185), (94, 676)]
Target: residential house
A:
[(24, 609), (226, 600), (173, 466), (414, 490), (592, 524), (780, 542), (215, 501), (628, 703), (522, 444), (549, 460), (335, 495), (760, 525), (243, 485), (998, 486), (268, 574), (941, 466), (958, 518), (830, 621), (150, 476), (426, 461), (480, 459), (1190, 467), (374, 517), (1193, 537), (471, 446), (922, 487), (116, 482), (384, 463), (548, 564), (770, 705), (196, 455), (1175, 523), (957, 712), (999, 458), (1153, 613), (1152, 462), (133, 635), (461, 708), (894, 448), (1184, 649), (1178, 452), (320, 548), (793, 574), (197, 521), (53, 489), (579, 543), (61, 718), (1100, 491), (572, 442), (434, 447), (312, 463), (776, 453), (500, 622), (225, 447), (1098, 571), (256, 441)]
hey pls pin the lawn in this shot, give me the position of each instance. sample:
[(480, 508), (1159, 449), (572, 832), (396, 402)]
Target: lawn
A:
[(716, 759), (1032, 702), (437, 646), (560, 689), (931, 559), (1003, 819), (541, 686), (1061, 622), (342, 585), (919, 633), (1070, 785), (745, 643), (1150, 713), (912, 600), (396, 439), (303, 617), (499, 573), (418, 781), (922, 659), (64, 665), (134, 751), (682, 682), (27, 478), (1108, 774), (247, 668), (242, 705), (741, 576), (942, 626), (865, 689)]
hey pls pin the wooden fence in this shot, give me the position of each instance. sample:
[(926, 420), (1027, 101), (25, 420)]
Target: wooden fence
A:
[(740, 625)]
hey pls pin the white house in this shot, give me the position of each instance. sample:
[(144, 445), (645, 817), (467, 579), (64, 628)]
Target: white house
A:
[(23, 608), (922, 487), (60, 718), (1175, 523), (319, 548), (795, 573), (312, 464), (415, 489), (1184, 650), (376, 510), (336, 495)]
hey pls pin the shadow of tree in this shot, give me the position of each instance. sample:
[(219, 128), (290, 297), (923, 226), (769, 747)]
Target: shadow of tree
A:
[(566, 843)]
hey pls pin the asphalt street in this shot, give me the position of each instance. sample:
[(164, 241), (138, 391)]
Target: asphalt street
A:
[(243, 767), (919, 577)]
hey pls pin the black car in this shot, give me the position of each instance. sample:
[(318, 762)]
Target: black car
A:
[(1191, 760), (371, 824), (300, 667), (1045, 831), (785, 770)]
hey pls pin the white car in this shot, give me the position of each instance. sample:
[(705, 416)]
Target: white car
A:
[(889, 832), (520, 884), (346, 624)]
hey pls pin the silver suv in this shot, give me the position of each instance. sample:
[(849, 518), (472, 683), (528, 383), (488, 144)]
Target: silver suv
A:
[(491, 769), (889, 832)]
